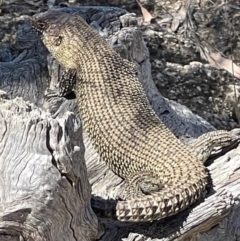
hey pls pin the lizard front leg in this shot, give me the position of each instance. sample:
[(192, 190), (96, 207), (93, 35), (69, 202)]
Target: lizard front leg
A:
[(67, 82)]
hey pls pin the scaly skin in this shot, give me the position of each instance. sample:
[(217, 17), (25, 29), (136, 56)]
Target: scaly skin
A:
[(163, 175)]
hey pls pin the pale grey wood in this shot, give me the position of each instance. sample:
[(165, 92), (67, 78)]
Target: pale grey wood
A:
[(44, 192)]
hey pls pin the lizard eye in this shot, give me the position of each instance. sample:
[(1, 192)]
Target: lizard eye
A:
[(40, 25)]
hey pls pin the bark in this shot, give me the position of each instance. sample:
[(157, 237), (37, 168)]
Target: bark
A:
[(44, 191)]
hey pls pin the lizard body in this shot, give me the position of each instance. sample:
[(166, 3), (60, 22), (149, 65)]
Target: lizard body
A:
[(163, 175)]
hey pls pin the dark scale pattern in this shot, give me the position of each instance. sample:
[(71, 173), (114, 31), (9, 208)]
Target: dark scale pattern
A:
[(128, 135)]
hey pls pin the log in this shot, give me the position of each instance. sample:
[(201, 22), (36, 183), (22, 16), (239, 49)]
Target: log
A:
[(45, 194), (56, 206)]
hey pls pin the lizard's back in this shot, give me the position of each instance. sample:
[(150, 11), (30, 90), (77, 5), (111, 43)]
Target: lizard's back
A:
[(127, 133)]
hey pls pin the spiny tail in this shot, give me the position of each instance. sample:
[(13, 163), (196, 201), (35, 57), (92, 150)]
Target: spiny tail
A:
[(155, 206)]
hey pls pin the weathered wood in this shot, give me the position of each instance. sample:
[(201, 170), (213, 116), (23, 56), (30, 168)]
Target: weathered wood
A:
[(28, 77), (44, 191)]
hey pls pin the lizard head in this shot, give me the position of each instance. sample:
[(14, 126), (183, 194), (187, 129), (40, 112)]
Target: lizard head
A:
[(58, 32)]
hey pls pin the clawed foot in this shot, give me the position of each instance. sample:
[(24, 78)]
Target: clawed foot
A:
[(235, 134)]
